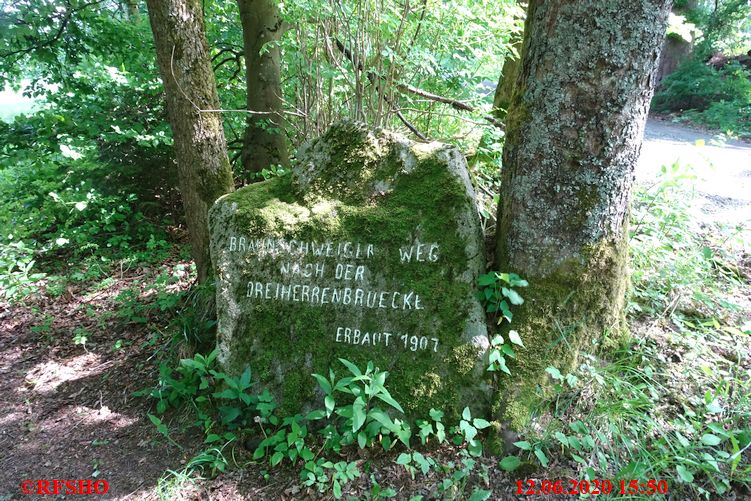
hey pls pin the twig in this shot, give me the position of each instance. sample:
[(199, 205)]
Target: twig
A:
[(454, 103)]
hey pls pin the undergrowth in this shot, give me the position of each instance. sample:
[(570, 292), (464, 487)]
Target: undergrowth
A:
[(674, 402)]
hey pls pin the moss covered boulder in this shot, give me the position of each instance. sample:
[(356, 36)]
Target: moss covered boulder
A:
[(369, 250)]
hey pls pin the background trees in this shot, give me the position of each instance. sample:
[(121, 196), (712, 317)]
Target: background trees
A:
[(265, 142), (203, 167)]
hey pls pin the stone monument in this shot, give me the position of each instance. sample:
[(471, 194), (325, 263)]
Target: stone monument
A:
[(369, 250)]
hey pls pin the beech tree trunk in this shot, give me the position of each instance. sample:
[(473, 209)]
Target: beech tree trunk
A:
[(574, 131), (265, 143), (204, 172)]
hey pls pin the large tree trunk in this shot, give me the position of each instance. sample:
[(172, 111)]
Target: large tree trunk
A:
[(203, 167), (265, 143), (574, 133)]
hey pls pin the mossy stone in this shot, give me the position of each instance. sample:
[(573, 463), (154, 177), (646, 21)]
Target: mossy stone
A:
[(370, 250)]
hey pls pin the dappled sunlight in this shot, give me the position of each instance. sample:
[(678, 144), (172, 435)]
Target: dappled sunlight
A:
[(48, 376)]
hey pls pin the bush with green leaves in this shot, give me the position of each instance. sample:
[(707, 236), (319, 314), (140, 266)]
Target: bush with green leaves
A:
[(16, 276)]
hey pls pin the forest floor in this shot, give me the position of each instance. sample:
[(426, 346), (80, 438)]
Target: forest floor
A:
[(69, 410)]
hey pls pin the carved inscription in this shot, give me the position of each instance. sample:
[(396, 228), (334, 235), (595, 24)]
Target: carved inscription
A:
[(338, 276)]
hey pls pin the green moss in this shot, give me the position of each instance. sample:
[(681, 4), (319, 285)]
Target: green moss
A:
[(563, 313), (213, 185)]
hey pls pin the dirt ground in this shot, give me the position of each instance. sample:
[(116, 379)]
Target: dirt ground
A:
[(69, 411), (722, 168)]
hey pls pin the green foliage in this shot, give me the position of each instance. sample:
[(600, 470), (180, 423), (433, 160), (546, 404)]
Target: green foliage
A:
[(468, 430), (497, 291), (696, 85), (669, 261), (721, 98), (16, 263), (365, 417), (673, 403), (343, 58), (357, 412), (497, 295)]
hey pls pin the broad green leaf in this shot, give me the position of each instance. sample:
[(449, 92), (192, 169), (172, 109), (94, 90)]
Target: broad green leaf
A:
[(514, 337), (684, 473), (386, 397), (358, 415), (709, 439), (480, 423), (323, 383), (523, 445), (330, 403), (352, 367), (480, 495), (542, 457), (510, 463), (512, 296)]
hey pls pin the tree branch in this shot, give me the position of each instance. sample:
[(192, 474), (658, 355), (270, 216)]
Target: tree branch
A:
[(374, 81), (454, 103)]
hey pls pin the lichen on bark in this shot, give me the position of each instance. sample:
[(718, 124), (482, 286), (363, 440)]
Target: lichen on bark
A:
[(574, 132)]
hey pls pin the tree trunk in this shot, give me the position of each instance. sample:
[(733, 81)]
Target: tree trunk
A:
[(203, 167), (264, 144), (505, 89), (574, 133)]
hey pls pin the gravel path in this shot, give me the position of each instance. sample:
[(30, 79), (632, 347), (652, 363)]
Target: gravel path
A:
[(722, 168)]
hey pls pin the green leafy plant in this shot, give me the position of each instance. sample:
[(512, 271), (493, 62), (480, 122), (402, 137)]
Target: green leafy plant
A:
[(435, 427), (365, 420), (497, 293), (500, 349), (467, 432)]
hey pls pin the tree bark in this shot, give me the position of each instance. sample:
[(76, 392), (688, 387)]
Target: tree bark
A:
[(264, 143), (574, 131), (505, 89), (204, 172)]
